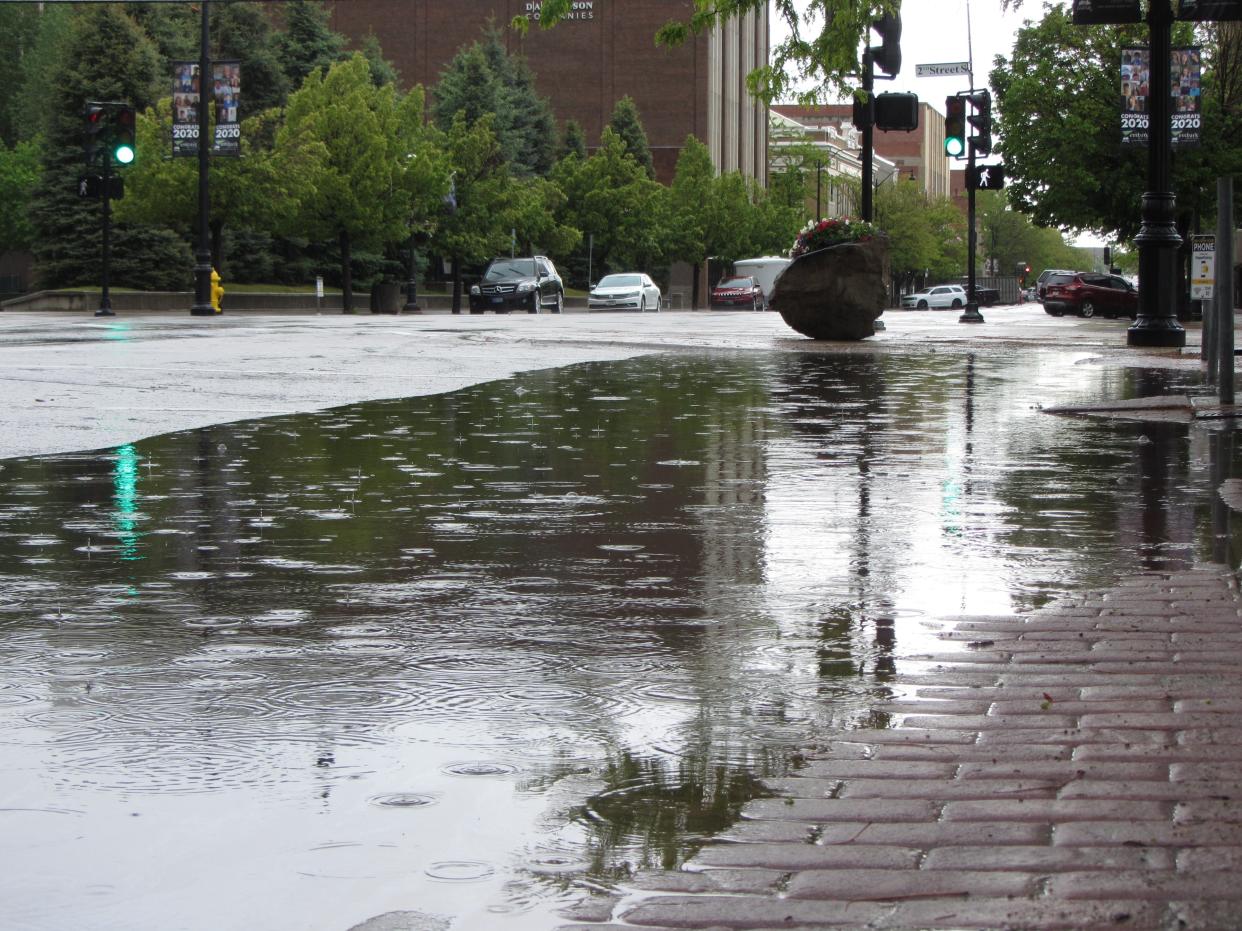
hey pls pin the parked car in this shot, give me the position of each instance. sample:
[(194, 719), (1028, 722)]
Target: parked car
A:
[(1090, 295), (1047, 273), (530, 283), (939, 297), (627, 291), (738, 291)]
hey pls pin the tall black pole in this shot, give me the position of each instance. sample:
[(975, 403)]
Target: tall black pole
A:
[(202, 255), (105, 296), (868, 135), (411, 284), (1157, 239), (972, 314)]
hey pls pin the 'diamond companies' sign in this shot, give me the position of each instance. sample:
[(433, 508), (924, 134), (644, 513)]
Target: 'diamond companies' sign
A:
[(579, 9)]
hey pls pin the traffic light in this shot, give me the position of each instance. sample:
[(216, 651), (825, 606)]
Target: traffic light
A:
[(887, 55), (955, 126), (864, 110), (123, 145), (96, 122), (981, 122)]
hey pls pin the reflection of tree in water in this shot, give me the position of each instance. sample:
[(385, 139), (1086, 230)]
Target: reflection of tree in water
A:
[(663, 811)]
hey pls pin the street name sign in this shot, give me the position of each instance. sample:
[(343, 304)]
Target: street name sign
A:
[(943, 70)]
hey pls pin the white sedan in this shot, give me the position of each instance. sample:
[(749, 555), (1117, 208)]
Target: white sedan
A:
[(628, 291), (938, 298)]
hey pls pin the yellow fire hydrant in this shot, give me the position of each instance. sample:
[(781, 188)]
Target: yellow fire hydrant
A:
[(217, 292)]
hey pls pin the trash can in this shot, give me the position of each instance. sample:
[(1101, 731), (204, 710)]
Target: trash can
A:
[(386, 297)]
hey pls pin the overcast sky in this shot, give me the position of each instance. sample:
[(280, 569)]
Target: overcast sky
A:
[(934, 31)]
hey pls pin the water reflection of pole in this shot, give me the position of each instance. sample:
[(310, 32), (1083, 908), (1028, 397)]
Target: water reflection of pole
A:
[(1220, 451), (1154, 450)]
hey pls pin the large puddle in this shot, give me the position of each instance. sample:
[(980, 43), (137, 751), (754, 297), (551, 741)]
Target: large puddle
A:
[(480, 654)]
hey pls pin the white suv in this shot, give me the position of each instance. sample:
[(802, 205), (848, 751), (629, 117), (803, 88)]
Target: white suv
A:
[(940, 297)]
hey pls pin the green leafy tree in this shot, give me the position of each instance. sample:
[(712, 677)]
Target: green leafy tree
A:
[(308, 43), (103, 56), (1008, 237), (484, 79), (926, 237), (627, 124), (611, 197), (573, 141), (264, 189), (19, 170), (477, 228), (1058, 116), (689, 196), (355, 127)]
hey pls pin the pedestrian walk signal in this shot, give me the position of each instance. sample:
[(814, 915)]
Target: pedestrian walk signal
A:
[(955, 127), (986, 178)]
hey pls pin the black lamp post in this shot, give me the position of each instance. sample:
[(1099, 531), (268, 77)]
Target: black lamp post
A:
[(1156, 324), (411, 284), (202, 255)]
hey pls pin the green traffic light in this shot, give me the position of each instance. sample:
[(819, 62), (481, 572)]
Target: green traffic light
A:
[(954, 146), (124, 154)]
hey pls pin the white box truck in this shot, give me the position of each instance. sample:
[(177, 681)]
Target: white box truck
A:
[(765, 270)]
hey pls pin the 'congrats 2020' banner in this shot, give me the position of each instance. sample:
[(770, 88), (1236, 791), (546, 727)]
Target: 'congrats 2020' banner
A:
[(1185, 68), (187, 98)]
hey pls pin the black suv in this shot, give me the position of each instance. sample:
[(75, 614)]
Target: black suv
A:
[(529, 284)]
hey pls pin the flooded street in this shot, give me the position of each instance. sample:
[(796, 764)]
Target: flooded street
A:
[(477, 654)]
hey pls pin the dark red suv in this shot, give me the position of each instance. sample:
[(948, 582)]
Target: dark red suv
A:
[(1090, 295), (738, 291)]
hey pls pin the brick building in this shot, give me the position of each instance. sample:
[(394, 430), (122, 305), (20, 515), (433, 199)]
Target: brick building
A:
[(918, 155), (605, 51)]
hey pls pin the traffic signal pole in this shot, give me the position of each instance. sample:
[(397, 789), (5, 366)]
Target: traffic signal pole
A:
[(868, 139), (105, 295), (972, 314), (202, 255)]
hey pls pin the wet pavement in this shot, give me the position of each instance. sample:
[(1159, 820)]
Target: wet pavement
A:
[(491, 615)]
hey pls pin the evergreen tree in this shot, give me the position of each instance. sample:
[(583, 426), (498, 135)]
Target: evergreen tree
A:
[(573, 141), (382, 70), (104, 56), (308, 44), (33, 99), (484, 78), (172, 27), (19, 31), (19, 170), (243, 31), (627, 124)]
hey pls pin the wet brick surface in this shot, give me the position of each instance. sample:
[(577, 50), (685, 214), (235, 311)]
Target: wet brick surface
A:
[(1082, 769)]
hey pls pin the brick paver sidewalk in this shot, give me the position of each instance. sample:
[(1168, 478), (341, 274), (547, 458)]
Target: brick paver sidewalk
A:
[(1080, 768)]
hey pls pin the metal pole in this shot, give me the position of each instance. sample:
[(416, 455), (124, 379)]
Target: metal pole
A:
[(868, 136), (202, 255), (411, 284), (819, 172), (1157, 239), (1224, 287), (590, 254), (972, 314), (105, 296)]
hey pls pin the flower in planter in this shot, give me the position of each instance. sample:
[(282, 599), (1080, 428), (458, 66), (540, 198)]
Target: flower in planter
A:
[(832, 231)]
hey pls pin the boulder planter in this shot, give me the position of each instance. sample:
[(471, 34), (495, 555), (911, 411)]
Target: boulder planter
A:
[(835, 290)]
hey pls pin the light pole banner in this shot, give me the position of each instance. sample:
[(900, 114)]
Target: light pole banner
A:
[(1135, 72), (185, 101), (226, 88), (1185, 120), (1185, 70)]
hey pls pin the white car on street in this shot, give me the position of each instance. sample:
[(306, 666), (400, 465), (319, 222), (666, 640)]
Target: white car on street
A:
[(627, 291), (940, 297)]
